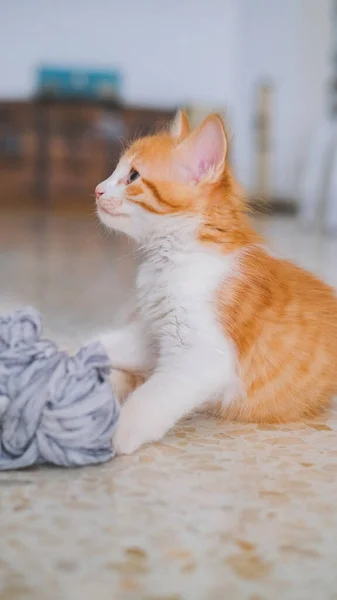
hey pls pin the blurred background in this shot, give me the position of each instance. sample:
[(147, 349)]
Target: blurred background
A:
[(80, 78)]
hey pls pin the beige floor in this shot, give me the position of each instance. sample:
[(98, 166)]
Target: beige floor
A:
[(214, 512)]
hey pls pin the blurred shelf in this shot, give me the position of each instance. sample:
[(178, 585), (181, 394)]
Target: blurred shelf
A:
[(52, 151)]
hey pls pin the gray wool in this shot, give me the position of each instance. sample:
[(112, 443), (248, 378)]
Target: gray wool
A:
[(54, 408)]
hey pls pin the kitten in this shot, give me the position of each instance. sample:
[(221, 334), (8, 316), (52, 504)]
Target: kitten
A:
[(220, 322)]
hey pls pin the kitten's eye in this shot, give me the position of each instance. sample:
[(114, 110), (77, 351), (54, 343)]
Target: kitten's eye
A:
[(133, 175)]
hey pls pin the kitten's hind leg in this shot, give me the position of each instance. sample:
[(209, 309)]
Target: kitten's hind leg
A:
[(124, 383)]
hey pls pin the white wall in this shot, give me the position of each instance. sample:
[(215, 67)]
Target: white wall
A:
[(169, 51), (173, 52), (285, 42)]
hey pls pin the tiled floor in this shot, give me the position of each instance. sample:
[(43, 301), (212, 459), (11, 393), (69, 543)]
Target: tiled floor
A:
[(215, 512)]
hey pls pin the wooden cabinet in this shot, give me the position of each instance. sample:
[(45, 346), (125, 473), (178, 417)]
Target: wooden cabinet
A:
[(17, 150), (54, 153)]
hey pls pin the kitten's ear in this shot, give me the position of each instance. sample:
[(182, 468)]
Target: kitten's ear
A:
[(202, 155), (180, 127)]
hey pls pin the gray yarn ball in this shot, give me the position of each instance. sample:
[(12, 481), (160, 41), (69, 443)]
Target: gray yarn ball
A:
[(54, 408)]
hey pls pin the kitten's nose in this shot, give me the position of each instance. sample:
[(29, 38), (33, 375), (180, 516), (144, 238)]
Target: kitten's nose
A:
[(98, 191)]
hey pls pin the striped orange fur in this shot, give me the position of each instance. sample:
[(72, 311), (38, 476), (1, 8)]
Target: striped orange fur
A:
[(283, 322)]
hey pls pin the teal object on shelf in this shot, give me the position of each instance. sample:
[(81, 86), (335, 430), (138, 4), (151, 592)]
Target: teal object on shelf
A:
[(79, 83)]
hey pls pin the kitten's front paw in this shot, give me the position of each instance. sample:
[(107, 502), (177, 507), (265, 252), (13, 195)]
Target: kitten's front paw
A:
[(136, 427)]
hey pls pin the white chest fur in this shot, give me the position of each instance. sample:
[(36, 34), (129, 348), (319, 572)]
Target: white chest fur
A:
[(189, 360), (176, 295)]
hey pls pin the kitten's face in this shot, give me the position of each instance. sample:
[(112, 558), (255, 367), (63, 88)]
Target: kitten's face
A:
[(132, 199), (158, 179)]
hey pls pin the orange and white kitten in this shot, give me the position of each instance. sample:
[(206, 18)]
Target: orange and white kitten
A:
[(219, 321)]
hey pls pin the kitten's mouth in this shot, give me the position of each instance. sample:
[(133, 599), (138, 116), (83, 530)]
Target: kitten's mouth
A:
[(112, 214)]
